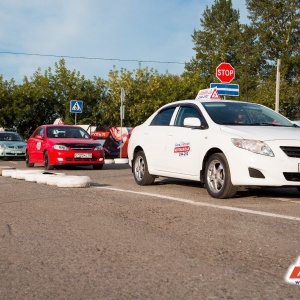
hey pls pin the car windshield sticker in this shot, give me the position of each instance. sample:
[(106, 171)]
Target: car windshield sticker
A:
[(182, 148)]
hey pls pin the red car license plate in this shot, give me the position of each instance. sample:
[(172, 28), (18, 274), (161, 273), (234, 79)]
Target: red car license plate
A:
[(83, 155)]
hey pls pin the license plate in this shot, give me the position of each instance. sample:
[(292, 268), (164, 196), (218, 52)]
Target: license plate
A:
[(16, 151), (83, 155)]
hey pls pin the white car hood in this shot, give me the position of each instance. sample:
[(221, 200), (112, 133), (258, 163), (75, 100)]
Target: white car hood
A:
[(263, 133), (13, 143)]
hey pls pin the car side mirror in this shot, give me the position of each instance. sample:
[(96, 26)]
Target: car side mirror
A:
[(191, 122), (39, 137)]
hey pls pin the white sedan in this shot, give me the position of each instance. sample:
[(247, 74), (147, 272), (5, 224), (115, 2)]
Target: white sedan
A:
[(222, 144), (12, 145)]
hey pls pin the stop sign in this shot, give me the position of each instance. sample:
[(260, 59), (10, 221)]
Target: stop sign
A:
[(225, 72)]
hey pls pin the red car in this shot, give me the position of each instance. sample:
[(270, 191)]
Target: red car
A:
[(55, 145)]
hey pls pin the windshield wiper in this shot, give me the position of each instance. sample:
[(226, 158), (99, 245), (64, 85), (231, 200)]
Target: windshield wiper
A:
[(266, 124), (233, 123)]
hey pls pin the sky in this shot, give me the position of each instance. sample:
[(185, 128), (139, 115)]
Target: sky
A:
[(96, 36)]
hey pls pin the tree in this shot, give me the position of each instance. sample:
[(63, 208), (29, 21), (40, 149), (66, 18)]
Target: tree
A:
[(7, 116), (277, 24), (252, 69), (92, 94), (146, 90), (33, 103), (67, 85), (217, 41)]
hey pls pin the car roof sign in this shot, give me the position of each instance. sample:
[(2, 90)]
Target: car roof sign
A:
[(211, 93)]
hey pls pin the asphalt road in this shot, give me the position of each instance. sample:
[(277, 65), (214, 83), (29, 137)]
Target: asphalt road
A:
[(118, 240)]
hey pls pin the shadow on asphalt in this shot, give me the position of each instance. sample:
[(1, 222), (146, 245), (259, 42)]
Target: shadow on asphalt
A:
[(254, 192)]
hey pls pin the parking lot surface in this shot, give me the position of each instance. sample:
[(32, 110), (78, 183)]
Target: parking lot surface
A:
[(118, 240)]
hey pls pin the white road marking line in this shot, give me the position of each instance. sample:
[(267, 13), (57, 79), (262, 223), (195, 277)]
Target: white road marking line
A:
[(242, 210)]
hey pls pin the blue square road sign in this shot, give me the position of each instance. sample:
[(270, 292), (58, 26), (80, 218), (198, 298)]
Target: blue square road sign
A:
[(76, 106)]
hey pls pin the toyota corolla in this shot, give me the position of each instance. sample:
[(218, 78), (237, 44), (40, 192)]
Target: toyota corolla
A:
[(222, 144)]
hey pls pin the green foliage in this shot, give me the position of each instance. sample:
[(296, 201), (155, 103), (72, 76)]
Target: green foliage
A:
[(146, 91), (277, 25), (33, 104), (6, 100), (217, 42)]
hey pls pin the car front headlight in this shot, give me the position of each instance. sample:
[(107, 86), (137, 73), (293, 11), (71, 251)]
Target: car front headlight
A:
[(2, 146), (254, 146), (60, 147), (99, 147)]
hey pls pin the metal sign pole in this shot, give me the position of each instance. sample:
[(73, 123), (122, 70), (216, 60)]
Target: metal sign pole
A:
[(121, 132), (121, 117)]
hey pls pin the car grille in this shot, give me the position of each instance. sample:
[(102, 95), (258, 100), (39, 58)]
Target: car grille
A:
[(81, 146), (15, 147), (291, 176), (82, 159), (13, 150), (291, 151)]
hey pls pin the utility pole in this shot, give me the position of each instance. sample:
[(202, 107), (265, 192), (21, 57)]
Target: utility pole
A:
[(277, 86)]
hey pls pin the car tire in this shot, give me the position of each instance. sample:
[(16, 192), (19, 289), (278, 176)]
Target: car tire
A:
[(46, 162), (98, 167), (28, 163), (140, 170), (218, 178)]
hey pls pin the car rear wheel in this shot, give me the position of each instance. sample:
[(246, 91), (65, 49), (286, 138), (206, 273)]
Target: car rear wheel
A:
[(217, 177), (46, 162), (28, 163), (98, 167), (140, 170)]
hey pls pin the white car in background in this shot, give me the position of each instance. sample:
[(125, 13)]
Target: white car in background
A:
[(221, 143), (297, 122), (12, 145)]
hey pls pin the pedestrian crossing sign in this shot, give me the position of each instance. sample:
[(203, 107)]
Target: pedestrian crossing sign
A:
[(76, 106)]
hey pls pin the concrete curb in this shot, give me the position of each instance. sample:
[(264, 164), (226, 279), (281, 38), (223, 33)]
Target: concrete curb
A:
[(39, 176)]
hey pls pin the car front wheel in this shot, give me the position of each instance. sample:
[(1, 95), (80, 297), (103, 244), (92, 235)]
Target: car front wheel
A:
[(140, 170), (47, 163), (28, 163), (217, 177)]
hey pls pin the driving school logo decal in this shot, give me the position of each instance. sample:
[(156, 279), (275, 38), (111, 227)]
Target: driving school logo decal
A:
[(293, 274), (182, 148), (38, 145)]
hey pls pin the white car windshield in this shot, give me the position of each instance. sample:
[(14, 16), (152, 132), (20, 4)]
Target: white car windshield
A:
[(250, 114), (10, 136)]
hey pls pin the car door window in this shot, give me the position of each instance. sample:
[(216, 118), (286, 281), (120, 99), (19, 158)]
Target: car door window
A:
[(39, 131), (164, 117), (187, 112)]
